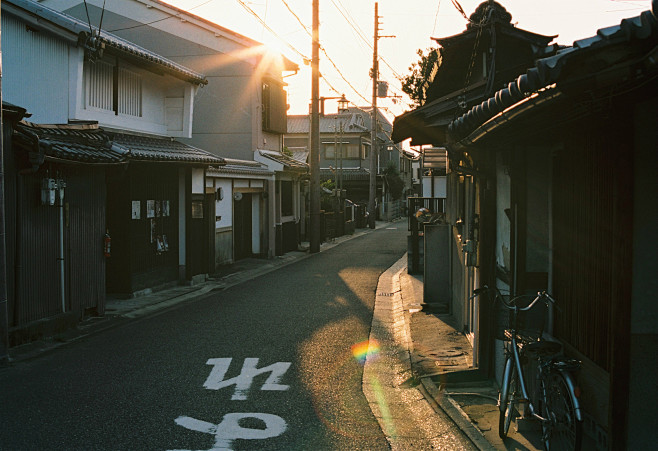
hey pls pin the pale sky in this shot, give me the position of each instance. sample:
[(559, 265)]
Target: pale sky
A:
[(347, 30)]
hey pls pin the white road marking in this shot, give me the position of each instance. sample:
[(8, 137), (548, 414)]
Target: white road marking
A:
[(230, 430), (244, 380)]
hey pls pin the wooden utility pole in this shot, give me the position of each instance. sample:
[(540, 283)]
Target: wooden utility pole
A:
[(373, 127), (315, 131)]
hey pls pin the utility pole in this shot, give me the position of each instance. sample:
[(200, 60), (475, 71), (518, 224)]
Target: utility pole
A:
[(373, 126), (4, 312), (315, 131)]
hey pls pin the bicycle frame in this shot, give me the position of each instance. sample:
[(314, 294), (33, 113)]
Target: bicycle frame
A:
[(557, 407), (515, 360)]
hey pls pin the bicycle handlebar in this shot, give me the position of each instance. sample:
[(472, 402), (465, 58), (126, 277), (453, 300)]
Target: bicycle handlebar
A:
[(510, 305)]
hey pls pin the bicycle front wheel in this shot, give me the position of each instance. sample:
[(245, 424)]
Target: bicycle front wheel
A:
[(507, 402), (562, 430)]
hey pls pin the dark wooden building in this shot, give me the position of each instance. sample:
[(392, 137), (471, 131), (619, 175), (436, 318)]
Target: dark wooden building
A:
[(553, 186), (56, 224), (159, 216)]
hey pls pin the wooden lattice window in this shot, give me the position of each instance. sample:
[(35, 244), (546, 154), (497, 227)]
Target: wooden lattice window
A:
[(113, 88)]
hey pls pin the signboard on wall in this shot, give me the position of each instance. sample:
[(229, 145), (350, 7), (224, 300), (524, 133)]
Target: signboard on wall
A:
[(197, 209)]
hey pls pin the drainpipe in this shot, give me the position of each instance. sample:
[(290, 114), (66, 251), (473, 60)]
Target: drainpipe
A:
[(61, 184)]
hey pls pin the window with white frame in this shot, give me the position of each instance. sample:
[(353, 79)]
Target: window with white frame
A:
[(113, 88)]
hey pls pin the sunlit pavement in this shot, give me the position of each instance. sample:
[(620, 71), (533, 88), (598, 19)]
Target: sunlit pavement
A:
[(400, 358)]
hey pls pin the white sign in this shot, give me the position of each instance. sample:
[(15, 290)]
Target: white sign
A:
[(136, 209)]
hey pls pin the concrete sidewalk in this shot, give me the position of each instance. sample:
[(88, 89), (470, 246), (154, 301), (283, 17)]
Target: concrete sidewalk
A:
[(441, 360)]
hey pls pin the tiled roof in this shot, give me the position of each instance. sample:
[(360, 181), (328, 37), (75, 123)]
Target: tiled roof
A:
[(39, 12), (300, 155), (639, 32), (239, 167), (85, 144), (156, 149), (288, 162), (88, 144), (354, 120)]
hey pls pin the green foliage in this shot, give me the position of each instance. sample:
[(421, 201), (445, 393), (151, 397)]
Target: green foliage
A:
[(415, 84), (394, 181), (287, 151), (329, 184), (326, 199)]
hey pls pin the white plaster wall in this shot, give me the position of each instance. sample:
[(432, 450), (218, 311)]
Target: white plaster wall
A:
[(198, 181), (226, 124), (46, 76), (155, 90), (224, 207)]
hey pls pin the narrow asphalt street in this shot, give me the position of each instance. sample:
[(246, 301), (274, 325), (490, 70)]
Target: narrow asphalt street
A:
[(273, 363)]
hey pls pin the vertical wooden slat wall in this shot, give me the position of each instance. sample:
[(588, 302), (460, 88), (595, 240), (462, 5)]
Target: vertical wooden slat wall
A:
[(38, 293), (592, 264), (86, 229)]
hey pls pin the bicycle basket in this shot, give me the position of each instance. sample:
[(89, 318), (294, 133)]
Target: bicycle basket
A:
[(529, 324)]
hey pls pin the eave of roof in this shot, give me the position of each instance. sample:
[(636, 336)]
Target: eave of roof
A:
[(162, 150), (287, 162), (426, 124), (71, 144), (549, 72), (509, 30), (239, 167)]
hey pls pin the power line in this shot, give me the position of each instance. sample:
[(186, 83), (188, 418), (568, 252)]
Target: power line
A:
[(436, 17), (268, 28), (160, 20), (341, 74), (298, 19), (321, 48), (360, 33)]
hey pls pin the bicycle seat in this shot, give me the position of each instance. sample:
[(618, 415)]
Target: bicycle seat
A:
[(543, 347)]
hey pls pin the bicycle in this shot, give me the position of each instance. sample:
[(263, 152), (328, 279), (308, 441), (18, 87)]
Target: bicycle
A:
[(554, 402)]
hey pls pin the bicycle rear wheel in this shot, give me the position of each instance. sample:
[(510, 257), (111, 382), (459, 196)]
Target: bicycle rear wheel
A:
[(507, 405), (562, 431)]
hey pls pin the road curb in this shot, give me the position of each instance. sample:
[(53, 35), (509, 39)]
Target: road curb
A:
[(391, 341), (451, 408)]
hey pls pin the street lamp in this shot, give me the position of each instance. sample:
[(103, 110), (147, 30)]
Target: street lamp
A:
[(343, 103)]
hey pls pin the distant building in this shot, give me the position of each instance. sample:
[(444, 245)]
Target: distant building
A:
[(345, 146)]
